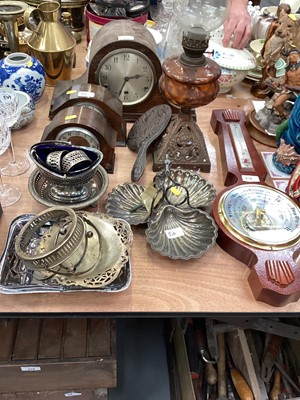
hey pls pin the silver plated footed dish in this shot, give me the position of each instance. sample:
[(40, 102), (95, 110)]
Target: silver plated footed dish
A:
[(66, 174), (47, 192), (180, 233)]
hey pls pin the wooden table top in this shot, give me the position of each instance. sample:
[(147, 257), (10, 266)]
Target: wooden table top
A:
[(213, 283)]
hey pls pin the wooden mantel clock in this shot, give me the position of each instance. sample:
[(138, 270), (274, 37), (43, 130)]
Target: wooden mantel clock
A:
[(84, 126), (94, 97), (258, 224), (123, 58)]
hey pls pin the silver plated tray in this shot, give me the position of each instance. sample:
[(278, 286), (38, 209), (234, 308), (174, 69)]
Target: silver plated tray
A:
[(180, 233), (40, 189), (15, 278)]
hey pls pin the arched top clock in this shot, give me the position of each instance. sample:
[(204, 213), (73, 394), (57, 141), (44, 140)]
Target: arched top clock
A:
[(123, 59)]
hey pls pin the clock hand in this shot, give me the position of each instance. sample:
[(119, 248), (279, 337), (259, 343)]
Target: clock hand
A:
[(122, 87), (128, 78), (136, 76)]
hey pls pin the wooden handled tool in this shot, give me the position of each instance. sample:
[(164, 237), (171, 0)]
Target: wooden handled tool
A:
[(275, 391), (192, 353), (240, 384), (222, 387), (270, 356), (210, 373)]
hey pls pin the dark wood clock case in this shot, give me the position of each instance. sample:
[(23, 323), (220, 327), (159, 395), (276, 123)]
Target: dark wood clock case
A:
[(93, 121)]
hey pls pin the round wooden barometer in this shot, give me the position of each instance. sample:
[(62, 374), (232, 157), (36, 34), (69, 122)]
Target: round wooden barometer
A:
[(258, 224)]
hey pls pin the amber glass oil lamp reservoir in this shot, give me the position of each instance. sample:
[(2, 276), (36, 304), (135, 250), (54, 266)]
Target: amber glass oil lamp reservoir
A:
[(188, 81)]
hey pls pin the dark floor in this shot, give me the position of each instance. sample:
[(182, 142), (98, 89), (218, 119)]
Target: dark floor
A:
[(141, 360)]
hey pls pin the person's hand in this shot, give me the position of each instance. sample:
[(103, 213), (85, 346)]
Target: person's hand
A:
[(237, 26)]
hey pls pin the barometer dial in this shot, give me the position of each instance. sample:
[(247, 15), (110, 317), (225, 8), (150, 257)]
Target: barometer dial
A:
[(260, 216)]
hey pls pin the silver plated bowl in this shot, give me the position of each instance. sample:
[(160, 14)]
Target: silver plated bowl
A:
[(124, 201), (181, 234), (39, 151), (48, 193), (186, 188)]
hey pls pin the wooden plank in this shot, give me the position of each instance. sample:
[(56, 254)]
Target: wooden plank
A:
[(67, 375), (49, 371), (51, 338), (74, 341), (8, 328), (99, 337), (27, 339), (256, 364), (98, 394), (181, 370), (242, 359)]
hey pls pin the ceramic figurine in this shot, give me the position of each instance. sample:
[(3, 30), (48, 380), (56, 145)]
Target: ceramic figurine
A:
[(287, 86), (277, 109), (274, 42), (288, 135), (293, 188), (282, 36)]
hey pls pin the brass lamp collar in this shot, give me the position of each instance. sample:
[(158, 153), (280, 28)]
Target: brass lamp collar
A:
[(194, 43)]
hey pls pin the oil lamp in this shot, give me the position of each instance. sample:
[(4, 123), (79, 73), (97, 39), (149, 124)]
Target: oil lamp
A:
[(188, 81), (207, 14)]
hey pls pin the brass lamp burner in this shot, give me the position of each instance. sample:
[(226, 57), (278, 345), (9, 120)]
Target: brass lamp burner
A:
[(74, 249)]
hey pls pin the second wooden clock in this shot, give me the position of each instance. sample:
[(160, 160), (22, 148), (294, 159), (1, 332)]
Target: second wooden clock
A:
[(123, 58)]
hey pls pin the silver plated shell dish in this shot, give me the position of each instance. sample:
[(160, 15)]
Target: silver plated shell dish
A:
[(124, 201), (180, 233), (185, 188)]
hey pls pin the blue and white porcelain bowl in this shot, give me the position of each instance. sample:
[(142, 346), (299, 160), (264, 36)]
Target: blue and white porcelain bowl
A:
[(20, 71), (27, 107)]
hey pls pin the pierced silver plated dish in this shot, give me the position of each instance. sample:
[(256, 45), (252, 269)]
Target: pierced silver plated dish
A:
[(180, 233), (124, 201), (185, 188), (16, 277), (49, 193)]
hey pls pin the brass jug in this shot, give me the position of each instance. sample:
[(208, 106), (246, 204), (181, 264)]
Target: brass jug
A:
[(50, 42)]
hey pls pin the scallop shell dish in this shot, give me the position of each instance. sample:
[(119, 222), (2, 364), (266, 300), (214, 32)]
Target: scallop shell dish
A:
[(174, 208)]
